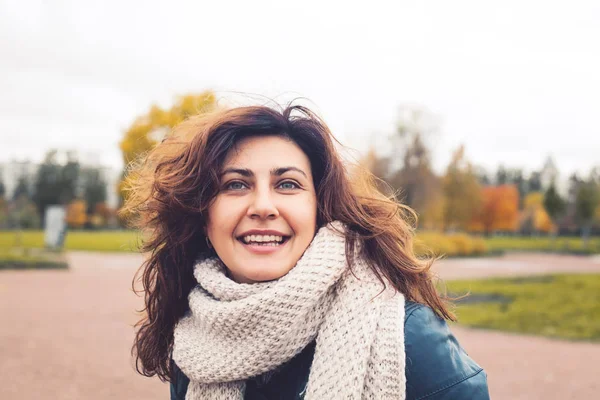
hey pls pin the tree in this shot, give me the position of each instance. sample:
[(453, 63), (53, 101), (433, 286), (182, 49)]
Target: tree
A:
[(535, 218), (22, 213), (76, 214), (482, 176), (513, 176), (22, 188), (499, 211), (586, 202), (462, 192), (378, 166), (69, 184), (419, 187), (501, 176), (149, 129), (56, 183), (534, 183), (94, 187), (517, 179), (553, 203), (3, 212), (3, 203)]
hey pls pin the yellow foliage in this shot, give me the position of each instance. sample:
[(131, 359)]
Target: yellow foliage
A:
[(449, 245), (534, 200), (97, 221), (138, 138), (147, 130), (499, 211), (542, 221), (76, 214), (535, 214), (433, 215), (462, 192)]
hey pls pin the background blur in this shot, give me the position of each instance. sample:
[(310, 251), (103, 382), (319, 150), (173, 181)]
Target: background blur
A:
[(482, 117)]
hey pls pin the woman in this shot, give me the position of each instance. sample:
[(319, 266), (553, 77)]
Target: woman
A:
[(274, 273)]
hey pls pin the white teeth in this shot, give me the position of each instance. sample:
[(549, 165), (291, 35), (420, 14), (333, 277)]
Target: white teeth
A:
[(267, 239)]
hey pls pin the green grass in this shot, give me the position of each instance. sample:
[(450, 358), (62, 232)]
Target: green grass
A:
[(30, 259), (562, 306), (451, 245), (544, 244), (111, 241)]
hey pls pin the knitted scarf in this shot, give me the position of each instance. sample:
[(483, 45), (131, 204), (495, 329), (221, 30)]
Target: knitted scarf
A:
[(235, 331)]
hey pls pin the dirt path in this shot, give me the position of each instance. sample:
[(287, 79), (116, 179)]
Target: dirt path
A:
[(513, 264), (67, 334)]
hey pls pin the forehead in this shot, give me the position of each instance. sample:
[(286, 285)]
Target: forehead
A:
[(256, 152)]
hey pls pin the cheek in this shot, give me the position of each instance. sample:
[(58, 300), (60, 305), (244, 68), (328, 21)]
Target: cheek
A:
[(221, 219), (301, 215)]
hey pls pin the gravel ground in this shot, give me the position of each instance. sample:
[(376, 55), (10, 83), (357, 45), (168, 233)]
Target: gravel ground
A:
[(67, 334)]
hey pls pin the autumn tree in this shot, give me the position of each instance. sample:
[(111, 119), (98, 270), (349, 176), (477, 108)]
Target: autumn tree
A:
[(462, 192), (499, 210), (534, 218), (76, 214), (149, 129), (410, 165), (379, 167), (513, 176)]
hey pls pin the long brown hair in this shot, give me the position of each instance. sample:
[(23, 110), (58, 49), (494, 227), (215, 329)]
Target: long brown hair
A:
[(171, 188)]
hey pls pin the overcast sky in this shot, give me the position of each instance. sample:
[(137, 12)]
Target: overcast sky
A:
[(515, 81)]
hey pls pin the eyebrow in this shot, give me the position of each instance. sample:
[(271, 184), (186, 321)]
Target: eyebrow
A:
[(248, 173)]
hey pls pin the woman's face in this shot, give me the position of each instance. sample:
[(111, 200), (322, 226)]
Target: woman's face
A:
[(265, 214)]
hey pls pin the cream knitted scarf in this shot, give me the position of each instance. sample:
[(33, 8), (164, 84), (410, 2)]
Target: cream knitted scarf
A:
[(237, 331)]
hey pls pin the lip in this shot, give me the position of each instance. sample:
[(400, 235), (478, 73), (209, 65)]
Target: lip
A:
[(262, 232)]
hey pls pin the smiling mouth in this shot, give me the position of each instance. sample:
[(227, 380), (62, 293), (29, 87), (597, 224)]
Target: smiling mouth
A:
[(264, 240)]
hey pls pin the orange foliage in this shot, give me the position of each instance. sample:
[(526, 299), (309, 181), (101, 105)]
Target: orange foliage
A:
[(103, 210), (499, 210), (76, 214)]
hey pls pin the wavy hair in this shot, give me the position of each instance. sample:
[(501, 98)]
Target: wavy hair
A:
[(171, 188)]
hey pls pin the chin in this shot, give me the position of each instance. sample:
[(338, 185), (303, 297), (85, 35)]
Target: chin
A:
[(264, 274)]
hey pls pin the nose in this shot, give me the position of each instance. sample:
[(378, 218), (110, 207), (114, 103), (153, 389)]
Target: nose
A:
[(263, 205)]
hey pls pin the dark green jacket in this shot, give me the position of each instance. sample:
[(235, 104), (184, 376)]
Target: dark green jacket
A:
[(437, 368)]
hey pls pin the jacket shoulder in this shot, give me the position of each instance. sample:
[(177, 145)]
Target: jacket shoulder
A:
[(437, 367), (179, 383)]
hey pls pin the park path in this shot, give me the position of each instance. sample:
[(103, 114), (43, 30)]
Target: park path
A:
[(67, 334), (516, 264)]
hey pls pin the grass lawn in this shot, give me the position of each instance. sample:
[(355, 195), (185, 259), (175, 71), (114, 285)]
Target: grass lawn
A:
[(450, 245), (563, 306), (75, 240), (31, 259), (543, 243)]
